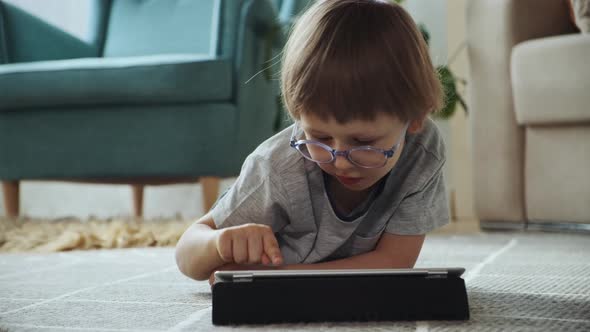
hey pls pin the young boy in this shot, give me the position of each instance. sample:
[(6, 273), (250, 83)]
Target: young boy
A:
[(356, 181)]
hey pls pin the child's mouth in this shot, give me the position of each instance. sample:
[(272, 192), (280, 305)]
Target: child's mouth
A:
[(348, 181)]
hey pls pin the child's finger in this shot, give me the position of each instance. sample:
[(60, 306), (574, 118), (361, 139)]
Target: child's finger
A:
[(271, 248), (240, 250), (224, 248), (212, 279), (265, 260), (255, 249)]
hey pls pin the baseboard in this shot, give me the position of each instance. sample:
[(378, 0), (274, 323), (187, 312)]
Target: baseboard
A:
[(499, 225), (534, 225), (554, 226)]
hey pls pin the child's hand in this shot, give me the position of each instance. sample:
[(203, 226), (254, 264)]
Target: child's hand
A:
[(249, 244)]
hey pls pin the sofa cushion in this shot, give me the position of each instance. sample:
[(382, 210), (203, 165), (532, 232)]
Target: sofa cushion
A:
[(550, 79), (180, 78)]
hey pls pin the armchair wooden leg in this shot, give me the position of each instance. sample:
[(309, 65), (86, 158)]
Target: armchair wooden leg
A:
[(11, 198), (138, 200), (210, 191)]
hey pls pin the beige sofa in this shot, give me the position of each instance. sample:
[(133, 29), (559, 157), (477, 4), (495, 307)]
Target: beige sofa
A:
[(529, 90)]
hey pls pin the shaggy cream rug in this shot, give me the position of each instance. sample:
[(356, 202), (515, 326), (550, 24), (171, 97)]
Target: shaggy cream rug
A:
[(44, 235)]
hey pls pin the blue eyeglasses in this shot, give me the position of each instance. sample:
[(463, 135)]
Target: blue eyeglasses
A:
[(362, 156)]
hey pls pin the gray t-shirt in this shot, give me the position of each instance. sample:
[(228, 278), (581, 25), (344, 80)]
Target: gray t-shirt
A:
[(280, 188)]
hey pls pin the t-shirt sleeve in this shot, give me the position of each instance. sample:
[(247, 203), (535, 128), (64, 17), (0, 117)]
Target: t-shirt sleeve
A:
[(422, 211), (255, 197)]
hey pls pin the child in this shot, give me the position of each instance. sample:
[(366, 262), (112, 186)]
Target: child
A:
[(356, 181)]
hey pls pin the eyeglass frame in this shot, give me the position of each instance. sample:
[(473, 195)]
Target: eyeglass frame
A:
[(346, 153)]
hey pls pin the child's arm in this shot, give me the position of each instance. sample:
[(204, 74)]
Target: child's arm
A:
[(203, 248), (392, 251)]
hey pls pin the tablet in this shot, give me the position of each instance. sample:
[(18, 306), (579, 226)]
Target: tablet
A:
[(278, 296), (253, 275)]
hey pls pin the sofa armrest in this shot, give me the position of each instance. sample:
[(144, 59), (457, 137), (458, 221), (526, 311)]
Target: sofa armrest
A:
[(550, 79), (494, 27), (28, 38)]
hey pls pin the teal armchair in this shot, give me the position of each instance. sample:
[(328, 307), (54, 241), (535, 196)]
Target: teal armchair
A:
[(164, 91)]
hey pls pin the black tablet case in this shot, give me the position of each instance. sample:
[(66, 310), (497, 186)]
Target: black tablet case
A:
[(351, 298)]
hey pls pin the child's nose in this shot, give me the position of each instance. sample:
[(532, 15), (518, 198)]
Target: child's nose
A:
[(342, 162)]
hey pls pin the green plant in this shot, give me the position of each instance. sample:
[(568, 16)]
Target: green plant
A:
[(452, 97)]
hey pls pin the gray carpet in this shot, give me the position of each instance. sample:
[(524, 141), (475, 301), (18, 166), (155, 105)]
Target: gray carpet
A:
[(515, 281)]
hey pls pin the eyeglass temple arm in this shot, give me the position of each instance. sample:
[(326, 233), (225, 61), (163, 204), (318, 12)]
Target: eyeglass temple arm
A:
[(293, 132), (403, 134)]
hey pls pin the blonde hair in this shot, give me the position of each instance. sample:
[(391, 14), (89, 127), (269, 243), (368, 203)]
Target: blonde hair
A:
[(350, 59)]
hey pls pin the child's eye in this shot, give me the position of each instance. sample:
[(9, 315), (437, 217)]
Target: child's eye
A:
[(323, 139)]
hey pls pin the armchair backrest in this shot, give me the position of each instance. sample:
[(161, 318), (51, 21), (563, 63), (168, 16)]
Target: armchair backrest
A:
[(146, 27), (3, 49), (24, 37)]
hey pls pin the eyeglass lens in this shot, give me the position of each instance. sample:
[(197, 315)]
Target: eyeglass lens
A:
[(364, 157)]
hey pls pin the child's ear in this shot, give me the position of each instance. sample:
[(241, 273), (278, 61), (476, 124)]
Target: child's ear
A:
[(415, 126)]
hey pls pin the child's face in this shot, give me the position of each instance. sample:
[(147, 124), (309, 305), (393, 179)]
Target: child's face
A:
[(383, 133)]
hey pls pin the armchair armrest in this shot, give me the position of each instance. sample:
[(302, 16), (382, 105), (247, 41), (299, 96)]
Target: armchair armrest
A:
[(88, 82), (28, 38), (246, 38), (290, 10), (261, 18)]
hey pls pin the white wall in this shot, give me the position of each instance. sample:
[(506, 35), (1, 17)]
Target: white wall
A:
[(460, 133), (432, 13), (445, 20)]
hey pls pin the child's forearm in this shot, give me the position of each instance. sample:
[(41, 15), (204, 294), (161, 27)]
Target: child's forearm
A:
[(196, 252), (369, 260)]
